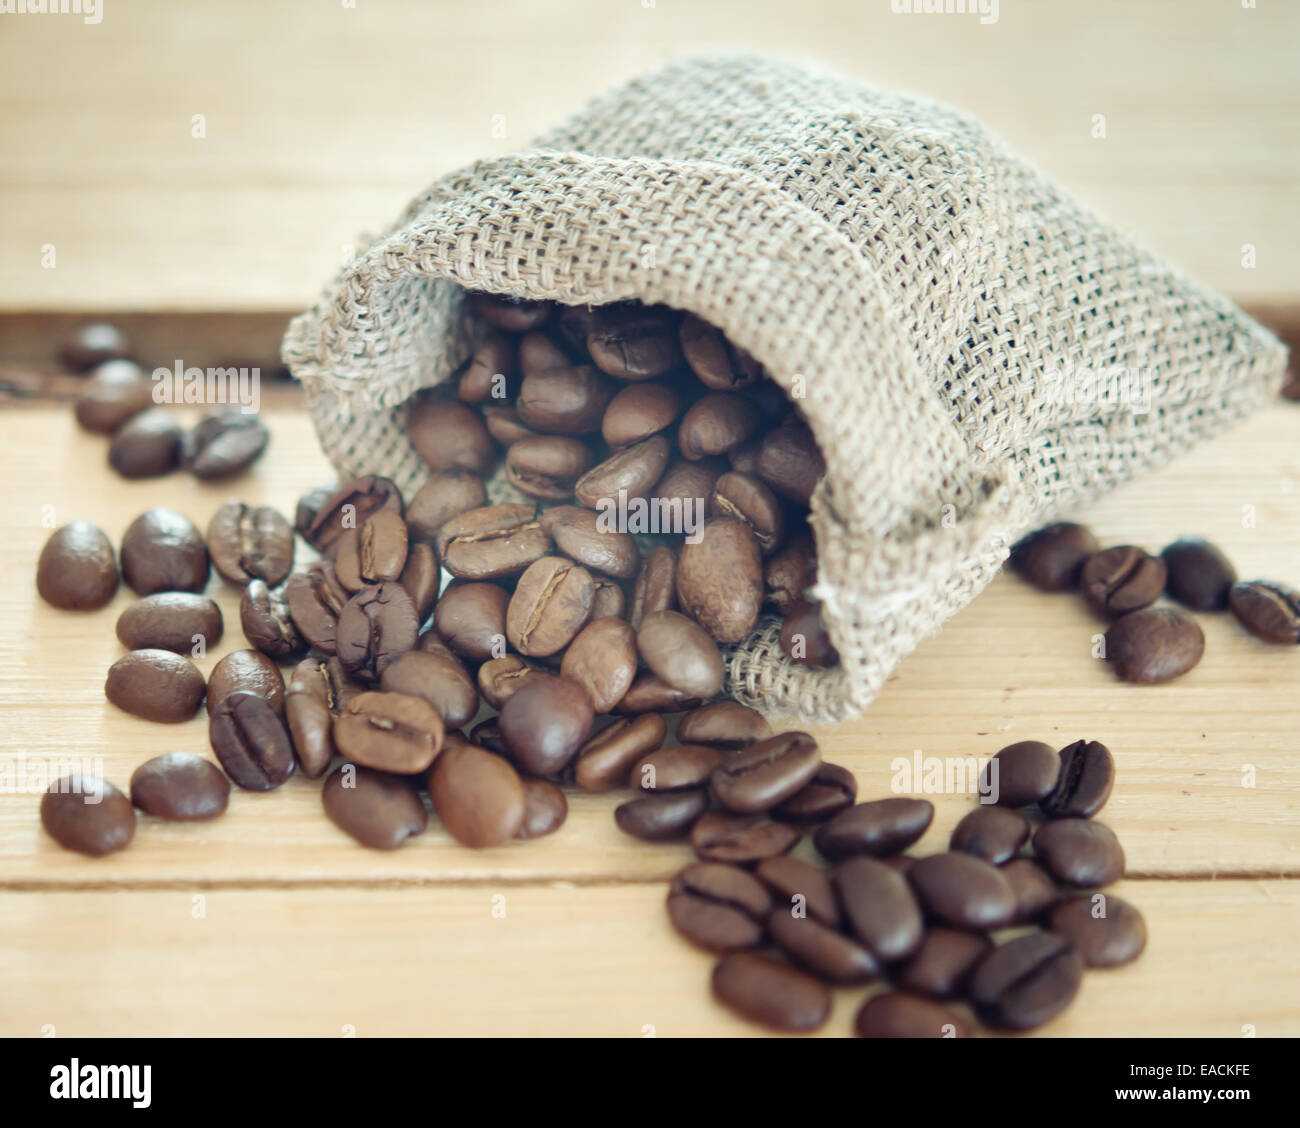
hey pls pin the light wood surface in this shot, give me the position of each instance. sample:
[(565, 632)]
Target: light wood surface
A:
[(307, 931)]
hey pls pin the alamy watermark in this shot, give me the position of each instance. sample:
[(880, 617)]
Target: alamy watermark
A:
[(241, 387), (987, 10), (1117, 388), (651, 516), (90, 11), (34, 775), (945, 775)]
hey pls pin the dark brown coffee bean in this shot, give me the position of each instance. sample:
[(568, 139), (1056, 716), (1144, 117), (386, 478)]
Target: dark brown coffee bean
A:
[(804, 639), (656, 585), (545, 722), (377, 627), (716, 423), (156, 685), (539, 353), (774, 994), (511, 314), (650, 693), (789, 574), (747, 499), (605, 761), (1106, 931), (676, 768), (390, 732), (251, 742), (724, 724), (686, 486), (225, 442), (442, 497), (309, 504), (349, 506), (421, 577), (93, 344), (801, 889), (472, 618), (1026, 982), (992, 833), (77, 570), (505, 426), (719, 908), (551, 604), (681, 652), (545, 809), (490, 371), (1034, 889), (1121, 579), (1052, 557), (790, 462), (878, 828), (438, 678), (171, 620), (1079, 852), (448, 435), (602, 659), (377, 809), (478, 796), (268, 626), (766, 773), (899, 863), (381, 547), (720, 579), (634, 342), (1155, 644), (248, 542), (831, 790), (880, 907), (499, 540), (827, 953), (547, 466), (896, 1014), (147, 445), (744, 458), (246, 671), (180, 787), (714, 359), (1268, 610), (499, 678), (741, 839), (1083, 786), (628, 473), (87, 814), (639, 411), (1021, 774), (581, 534), (163, 551), (943, 963), (117, 391), (963, 891), (1199, 574), (315, 598), (326, 681), (312, 699), (568, 400), (662, 815)]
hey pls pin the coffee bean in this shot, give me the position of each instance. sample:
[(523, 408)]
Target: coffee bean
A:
[(675, 768), (801, 888), (687, 485), (776, 995), (602, 658), (745, 498), (681, 652), (478, 796), (444, 496), (943, 963), (391, 732), (724, 724), (87, 814), (963, 891), (766, 773), (1034, 889), (349, 507), (440, 679), (377, 809), (545, 809), (717, 907), (156, 685), (1052, 558), (639, 411), (662, 816), (1026, 982), (1106, 931), (880, 907), (490, 370), (804, 638), (511, 314), (225, 442), (1079, 852), (1083, 786), (634, 342), (551, 603), (472, 618), (1121, 579), (117, 391), (1021, 774), (309, 504), (448, 435), (992, 833), (831, 790), (376, 627), (77, 570), (1156, 644), (1268, 610), (650, 693), (93, 344), (628, 473), (605, 761), (578, 533), (246, 671), (382, 547), (789, 574), (180, 787), (147, 445), (715, 360), (720, 580), (716, 423), (171, 620), (251, 742), (899, 863), (499, 678), (247, 543), (547, 466), (790, 462), (312, 699), (896, 1014), (545, 722), (1199, 575), (421, 577), (878, 828), (163, 551), (656, 585), (315, 598), (505, 426), (268, 626), (568, 400), (488, 543), (741, 839), (608, 600), (827, 953)]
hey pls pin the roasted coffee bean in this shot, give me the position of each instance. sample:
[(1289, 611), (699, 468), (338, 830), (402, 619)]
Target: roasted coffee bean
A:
[(744, 458), (390, 732), (268, 626), (498, 678), (1026, 982), (608, 600), (628, 473), (963, 891), (602, 658), (156, 685), (789, 574), (895, 1014), (377, 809), (421, 577), (448, 435), (478, 796), (681, 652), (831, 790), (1156, 644), (147, 445), (724, 724), (568, 400), (747, 499), (225, 442), (639, 411), (117, 391), (1083, 786), (878, 828), (315, 598), (251, 742), (246, 671), (761, 990), (943, 963), (163, 551), (1268, 610), (93, 344), (1121, 579), (572, 325), (346, 557), (801, 888), (551, 604), (1022, 774), (438, 678), (180, 787), (511, 314), (87, 814), (314, 695), (719, 908), (1199, 575), (661, 816), (505, 426), (490, 370), (487, 734), (349, 506), (309, 504), (547, 466), (720, 579), (170, 620), (716, 361), (1052, 557), (472, 619), (790, 462), (880, 907), (248, 542), (545, 809), (1034, 889), (605, 761), (826, 952), (1079, 852), (499, 540), (77, 570), (741, 839), (715, 424), (377, 626), (442, 497), (1106, 931), (804, 639), (577, 533), (382, 546), (545, 722), (992, 833), (766, 773), (325, 680), (656, 585), (539, 353), (676, 768), (634, 342), (687, 485), (650, 693)]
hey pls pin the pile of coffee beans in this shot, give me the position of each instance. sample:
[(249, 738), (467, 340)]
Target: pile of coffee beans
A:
[(1149, 643)]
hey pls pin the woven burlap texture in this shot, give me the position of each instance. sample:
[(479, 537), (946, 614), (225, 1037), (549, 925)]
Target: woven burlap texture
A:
[(932, 300)]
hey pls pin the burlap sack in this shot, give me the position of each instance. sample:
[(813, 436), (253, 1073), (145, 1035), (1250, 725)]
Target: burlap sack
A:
[(944, 310)]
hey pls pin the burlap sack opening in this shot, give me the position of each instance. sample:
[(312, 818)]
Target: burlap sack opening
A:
[(881, 255)]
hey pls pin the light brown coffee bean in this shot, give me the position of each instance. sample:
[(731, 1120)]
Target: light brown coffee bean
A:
[(720, 579), (606, 760), (498, 540), (629, 473), (602, 658), (551, 603), (478, 797), (724, 724), (447, 434), (390, 732), (445, 495), (681, 652)]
